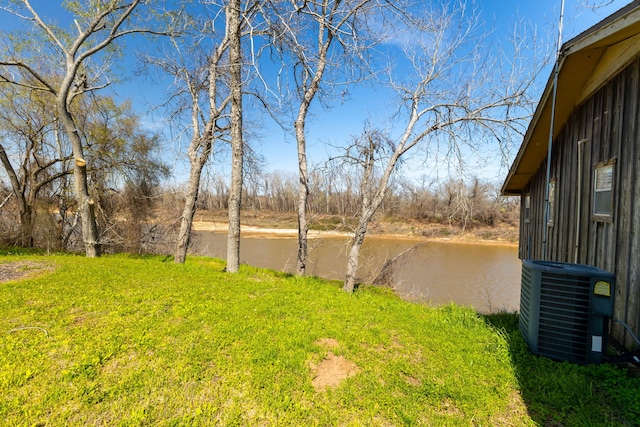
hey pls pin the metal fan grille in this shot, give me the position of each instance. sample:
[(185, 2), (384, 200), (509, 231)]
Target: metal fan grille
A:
[(564, 317)]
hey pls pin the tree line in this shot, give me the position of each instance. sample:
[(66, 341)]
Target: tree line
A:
[(68, 141), (142, 217), (463, 204)]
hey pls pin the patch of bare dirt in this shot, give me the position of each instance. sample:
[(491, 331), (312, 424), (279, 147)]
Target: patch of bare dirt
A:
[(20, 270), (332, 370)]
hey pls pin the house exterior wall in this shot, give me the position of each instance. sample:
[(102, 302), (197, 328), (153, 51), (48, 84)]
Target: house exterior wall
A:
[(609, 124)]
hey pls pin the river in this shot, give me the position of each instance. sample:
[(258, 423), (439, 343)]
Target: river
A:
[(482, 275)]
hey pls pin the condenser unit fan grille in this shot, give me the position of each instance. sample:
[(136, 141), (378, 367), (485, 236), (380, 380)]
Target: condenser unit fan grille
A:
[(564, 317)]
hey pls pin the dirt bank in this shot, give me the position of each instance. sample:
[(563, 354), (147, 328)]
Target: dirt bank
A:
[(285, 225)]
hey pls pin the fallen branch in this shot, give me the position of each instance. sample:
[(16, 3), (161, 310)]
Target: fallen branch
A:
[(386, 272)]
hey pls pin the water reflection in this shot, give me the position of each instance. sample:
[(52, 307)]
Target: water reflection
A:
[(484, 276)]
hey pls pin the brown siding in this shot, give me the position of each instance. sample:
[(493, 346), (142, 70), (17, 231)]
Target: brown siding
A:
[(609, 120)]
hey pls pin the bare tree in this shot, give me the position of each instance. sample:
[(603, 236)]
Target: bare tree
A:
[(319, 37), (457, 95), (98, 25), (197, 63), (366, 153), (201, 146)]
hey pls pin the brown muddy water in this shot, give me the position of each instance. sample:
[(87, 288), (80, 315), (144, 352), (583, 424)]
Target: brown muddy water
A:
[(482, 275)]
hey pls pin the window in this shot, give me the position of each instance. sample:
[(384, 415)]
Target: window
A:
[(552, 201), (527, 208), (603, 189)]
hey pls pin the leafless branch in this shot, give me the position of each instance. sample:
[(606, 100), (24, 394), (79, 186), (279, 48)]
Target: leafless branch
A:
[(595, 5), (26, 67)]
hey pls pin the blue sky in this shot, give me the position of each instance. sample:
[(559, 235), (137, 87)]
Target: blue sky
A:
[(347, 117)]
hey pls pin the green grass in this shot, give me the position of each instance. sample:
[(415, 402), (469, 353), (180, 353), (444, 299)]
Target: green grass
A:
[(126, 340)]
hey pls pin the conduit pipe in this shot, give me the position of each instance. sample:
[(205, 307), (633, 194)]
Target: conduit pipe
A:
[(556, 70)]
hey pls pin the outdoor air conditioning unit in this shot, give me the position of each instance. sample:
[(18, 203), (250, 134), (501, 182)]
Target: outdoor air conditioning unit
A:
[(565, 309)]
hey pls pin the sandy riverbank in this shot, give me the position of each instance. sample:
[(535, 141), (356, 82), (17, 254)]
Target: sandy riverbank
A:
[(222, 227), (497, 235)]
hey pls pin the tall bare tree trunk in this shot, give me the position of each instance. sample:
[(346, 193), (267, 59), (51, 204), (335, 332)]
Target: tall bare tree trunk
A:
[(303, 192), (303, 189), (86, 205), (191, 200), (237, 147), (204, 121)]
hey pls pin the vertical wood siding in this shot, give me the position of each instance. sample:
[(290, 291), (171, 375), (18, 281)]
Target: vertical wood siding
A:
[(609, 121)]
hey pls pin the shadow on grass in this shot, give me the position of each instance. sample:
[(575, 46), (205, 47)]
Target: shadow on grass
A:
[(567, 394)]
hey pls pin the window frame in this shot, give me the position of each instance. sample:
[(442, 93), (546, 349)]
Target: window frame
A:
[(603, 216)]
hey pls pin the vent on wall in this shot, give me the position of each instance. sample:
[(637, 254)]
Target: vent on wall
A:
[(565, 309)]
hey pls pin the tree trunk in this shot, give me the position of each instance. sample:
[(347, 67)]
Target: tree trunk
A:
[(369, 206), (27, 223), (26, 214), (190, 202), (86, 205), (303, 189), (354, 255), (235, 192), (303, 196)]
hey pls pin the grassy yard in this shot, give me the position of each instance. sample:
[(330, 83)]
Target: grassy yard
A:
[(126, 340)]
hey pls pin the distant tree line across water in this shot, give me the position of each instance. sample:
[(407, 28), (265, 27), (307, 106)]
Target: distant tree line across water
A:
[(462, 203), (143, 217)]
